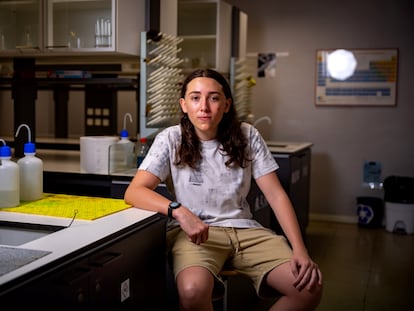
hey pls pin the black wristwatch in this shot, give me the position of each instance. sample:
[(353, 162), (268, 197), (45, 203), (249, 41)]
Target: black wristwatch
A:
[(171, 206)]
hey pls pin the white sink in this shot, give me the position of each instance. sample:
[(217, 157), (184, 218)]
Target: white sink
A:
[(17, 228)]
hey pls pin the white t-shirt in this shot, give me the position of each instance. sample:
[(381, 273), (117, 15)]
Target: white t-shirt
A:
[(215, 193)]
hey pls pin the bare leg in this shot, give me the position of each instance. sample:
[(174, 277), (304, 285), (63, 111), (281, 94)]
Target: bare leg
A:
[(281, 278), (195, 287)]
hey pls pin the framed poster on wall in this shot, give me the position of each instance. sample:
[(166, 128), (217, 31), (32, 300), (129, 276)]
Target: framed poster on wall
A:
[(358, 77)]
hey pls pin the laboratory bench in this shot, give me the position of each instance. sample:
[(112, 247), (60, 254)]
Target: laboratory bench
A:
[(113, 261), (118, 259), (62, 175)]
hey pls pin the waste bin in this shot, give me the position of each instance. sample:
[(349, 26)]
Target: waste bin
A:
[(399, 204), (370, 211)]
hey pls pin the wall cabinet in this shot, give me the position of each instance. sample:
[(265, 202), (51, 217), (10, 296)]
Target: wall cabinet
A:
[(205, 27), (125, 270), (20, 26), (64, 26)]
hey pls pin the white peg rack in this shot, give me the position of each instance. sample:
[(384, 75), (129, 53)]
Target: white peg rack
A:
[(160, 82)]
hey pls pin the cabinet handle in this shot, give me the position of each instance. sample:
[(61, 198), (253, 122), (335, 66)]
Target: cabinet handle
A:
[(75, 275), (80, 297), (27, 47), (105, 259), (57, 46), (121, 182)]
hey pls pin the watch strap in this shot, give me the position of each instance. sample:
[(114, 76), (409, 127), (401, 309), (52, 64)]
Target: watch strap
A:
[(172, 206), (170, 215)]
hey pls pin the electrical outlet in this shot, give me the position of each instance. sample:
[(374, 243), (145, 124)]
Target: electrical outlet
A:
[(125, 292)]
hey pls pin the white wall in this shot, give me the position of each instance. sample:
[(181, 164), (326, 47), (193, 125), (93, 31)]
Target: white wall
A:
[(343, 137)]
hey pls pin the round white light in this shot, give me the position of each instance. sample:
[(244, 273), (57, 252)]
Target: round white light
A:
[(341, 64)]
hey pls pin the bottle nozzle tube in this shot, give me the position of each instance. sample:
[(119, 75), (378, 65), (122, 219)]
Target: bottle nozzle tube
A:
[(29, 147), (124, 132)]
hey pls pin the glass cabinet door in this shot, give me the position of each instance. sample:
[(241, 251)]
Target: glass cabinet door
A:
[(205, 27), (20, 25), (80, 25), (197, 24)]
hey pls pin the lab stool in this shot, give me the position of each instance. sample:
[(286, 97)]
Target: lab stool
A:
[(225, 274), (239, 294)]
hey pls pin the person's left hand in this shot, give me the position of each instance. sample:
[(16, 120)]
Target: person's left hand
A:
[(307, 273)]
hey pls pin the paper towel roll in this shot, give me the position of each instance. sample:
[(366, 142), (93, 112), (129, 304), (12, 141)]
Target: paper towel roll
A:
[(94, 153)]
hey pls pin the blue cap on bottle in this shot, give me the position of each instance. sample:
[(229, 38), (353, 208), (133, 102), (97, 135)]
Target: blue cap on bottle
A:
[(124, 133), (5, 151), (29, 148)]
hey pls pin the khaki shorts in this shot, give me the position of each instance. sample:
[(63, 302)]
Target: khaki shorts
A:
[(253, 252)]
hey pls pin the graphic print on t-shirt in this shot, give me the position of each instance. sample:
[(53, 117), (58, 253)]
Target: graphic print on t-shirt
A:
[(196, 178)]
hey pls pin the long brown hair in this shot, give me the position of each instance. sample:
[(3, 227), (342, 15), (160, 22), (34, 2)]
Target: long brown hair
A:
[(229, 133)]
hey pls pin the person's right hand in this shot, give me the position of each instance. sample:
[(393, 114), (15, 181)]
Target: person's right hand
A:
[(196, 229)]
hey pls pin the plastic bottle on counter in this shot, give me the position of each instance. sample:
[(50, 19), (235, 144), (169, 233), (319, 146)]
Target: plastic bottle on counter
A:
[(121, 154), (9, 178), (31, 170), (142, 150)]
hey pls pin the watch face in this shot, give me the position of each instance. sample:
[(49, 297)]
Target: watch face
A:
[(174, 205)]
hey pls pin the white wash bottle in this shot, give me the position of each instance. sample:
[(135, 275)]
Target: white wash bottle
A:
[(31, 170), (121, 154), (9, 178), (128, 145)]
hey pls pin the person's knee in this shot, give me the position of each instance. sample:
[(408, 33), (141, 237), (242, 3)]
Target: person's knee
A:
[(194, 296), (191, 291), (194, 286), (281, 280), (316, 295), (309, 299)]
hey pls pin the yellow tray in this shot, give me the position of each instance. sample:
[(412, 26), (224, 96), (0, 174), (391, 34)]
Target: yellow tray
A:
[(64, 205)]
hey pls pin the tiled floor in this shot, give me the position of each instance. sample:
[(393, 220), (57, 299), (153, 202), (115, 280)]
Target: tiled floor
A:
[(364, 269)]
